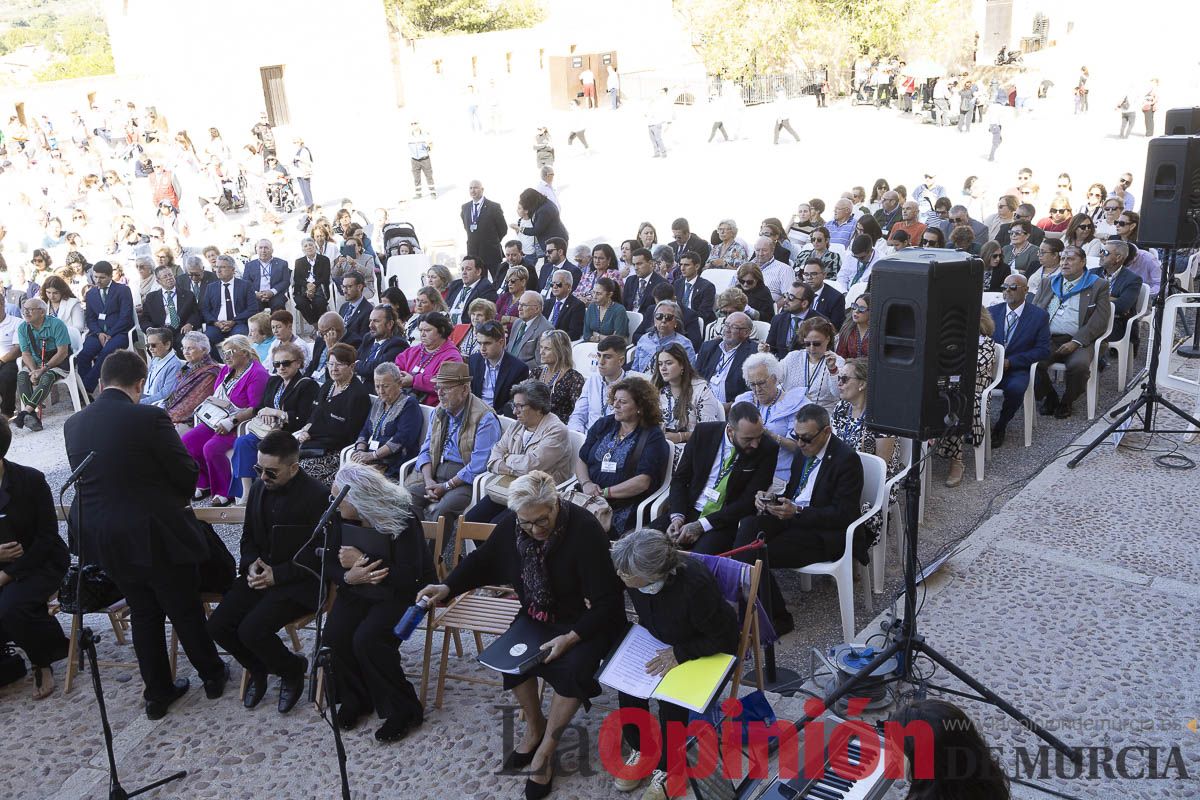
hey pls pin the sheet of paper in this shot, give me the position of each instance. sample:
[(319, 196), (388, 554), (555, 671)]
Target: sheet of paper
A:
[(693, 683), (626, 670)]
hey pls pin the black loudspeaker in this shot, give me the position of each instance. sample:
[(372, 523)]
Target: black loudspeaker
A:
[(924, 342), (1171, 195), (1183, 122)]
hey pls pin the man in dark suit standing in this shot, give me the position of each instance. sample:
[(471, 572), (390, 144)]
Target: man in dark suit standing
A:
[(483, 220), (639, 286), (683, 241), (1124, 287), (564, 310), (109, 316), (356, 311), (807, 522), (495, 372), (724, 465), (797, 307), (270, 590), (310, 282), (227, 305), (556, 258), (720, 360), (1024, 330), (695, 294), (829, 302), (473, 285), (136, 522), (269, 277), (381, 346), (171, 306)]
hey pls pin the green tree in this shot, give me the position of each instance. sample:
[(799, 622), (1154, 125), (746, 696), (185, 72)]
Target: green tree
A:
[(417, 18)]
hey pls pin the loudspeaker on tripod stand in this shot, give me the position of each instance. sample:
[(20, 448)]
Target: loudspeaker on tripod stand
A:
[(924, 342), (1182, 122), (1171, 193)]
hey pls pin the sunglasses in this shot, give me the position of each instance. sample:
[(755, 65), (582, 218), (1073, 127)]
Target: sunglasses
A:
[(556, 284), (844, 379), (812, 344), (808, 439), (930, 242), (859, 309), (1060, 211), (1112, 208), (1087, 227), (664, 317), (281, 364), (265, 472), (1121, 223), (1009, 287)]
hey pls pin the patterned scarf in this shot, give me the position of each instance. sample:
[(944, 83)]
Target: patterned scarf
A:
[(534, 574)]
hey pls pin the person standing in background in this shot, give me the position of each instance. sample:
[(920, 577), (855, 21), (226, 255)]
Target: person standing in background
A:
[(419, 147), (614, 87), (1150, 105)]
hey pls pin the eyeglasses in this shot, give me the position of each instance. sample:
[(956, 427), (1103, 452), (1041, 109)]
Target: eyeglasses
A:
[(930, 242), (844, 379), (1094, 194), (812, 344), (806, 439), (282, 364), (519, 407), (664, 317), (1009, 287), (859, 309), (1060, 211), (528, 525), (227, 354), (511, 281), (1122, 223), (265, 472), (756, 384), (1112, 208)]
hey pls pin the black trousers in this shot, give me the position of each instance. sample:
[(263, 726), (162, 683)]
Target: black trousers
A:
[(25, 621), (667, 712), (247, 624), (366, 657), (8, 388), (486, 510), (166, 592), (788, 545)]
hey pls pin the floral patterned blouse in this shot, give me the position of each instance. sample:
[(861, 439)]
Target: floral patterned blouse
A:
[(733, 253), (565, 389)]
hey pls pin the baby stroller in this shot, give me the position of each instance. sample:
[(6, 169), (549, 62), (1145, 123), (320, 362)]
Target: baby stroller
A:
[(283, 196), (396, 233), (233, 195)]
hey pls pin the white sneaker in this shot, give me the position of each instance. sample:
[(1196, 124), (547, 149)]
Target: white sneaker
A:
[(629, 784), (657, 788)]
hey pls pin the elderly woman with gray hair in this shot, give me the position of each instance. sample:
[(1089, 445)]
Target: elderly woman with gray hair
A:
[(392, 433), (728, 252), (195, 381), (678, 601), (555, 554), (668, 329), (375, 587), (539, 441)]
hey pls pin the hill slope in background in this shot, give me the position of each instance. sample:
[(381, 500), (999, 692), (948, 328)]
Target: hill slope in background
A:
[(49, 40)]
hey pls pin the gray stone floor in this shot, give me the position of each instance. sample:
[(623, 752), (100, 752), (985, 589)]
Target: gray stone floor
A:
[(1075, 599)]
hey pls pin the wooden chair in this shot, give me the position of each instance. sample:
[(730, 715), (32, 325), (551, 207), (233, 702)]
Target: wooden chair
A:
[(744, 598), (477, 612), (118, 617)]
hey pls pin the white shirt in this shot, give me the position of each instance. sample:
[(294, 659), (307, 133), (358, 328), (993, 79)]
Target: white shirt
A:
[(221, 317), (592, 403), (264, 281), (777, 277), (547, 191), (8, 332), (714, 476), (724, 362)]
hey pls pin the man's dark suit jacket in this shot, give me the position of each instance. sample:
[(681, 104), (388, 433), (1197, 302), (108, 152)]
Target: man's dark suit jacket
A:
[(548, 269), (629, 292), (511, 372), (696, 245), (26, 500), (835, 499), (691, 327), (306, 504), (831, 304), (369, 358), (779, 338), (281, 278), (1124, 292), (356, 324), (710, 356), (483, 289), (185, 303), (185, 282), (570, 316), (490, 229), (704, 295), (118, 310), (1031, 340), (245, 304), (135, 495), (751, 472)]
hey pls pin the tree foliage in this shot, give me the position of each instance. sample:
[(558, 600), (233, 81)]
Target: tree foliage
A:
[(739, 39), (79, 43), (417, 18)]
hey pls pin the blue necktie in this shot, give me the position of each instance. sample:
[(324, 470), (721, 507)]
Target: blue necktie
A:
[(554, 313)]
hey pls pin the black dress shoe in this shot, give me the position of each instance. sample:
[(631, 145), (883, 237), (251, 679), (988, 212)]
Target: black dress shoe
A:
[(157, 709), (517, 760), (256, 687), (215, 687), (290, 689), (1049, 406), (538, 791), (783, 625), (1063, 411), (997, 436), (396, 728), (347, 717)]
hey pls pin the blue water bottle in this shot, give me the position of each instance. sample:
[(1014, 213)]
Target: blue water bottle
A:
[(411, 619)]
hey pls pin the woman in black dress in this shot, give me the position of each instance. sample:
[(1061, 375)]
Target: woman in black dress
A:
[(555, 555), (677, 599), (374, 591), (338, 414), (33, 561)]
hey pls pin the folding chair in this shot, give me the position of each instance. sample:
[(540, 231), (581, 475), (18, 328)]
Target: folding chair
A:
[(740, 583), (118, 617)]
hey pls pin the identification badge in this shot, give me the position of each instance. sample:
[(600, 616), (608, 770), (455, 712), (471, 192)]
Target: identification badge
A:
[(474, 227), (712, 495), (373, 444), (608, 466), (102, 317)]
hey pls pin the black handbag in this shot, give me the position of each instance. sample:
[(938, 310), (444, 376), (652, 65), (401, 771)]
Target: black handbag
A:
[(97, 590)]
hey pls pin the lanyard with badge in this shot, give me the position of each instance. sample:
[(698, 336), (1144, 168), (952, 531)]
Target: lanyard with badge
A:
[(607, 465), (808, 379), (711, 493), (765, 411), (725, 361), (808, 470)]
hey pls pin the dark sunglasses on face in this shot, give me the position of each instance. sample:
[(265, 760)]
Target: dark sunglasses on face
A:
[(929, 242), (812, 344), (265, 472), (859, 309), (556, 284), (1121, 223), (844, 379), (1112, 208), (806, 439), (282, 364), (1085, 227), (664, 317), (1009, 287)]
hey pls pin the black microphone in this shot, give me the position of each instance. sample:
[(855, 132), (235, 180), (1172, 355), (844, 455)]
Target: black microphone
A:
[(78, 473), (329, 512)]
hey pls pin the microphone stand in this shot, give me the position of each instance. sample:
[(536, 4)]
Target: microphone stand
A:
[(87, 641), (322, 657)]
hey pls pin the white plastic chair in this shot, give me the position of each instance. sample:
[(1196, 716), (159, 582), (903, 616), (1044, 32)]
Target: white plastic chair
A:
[(635, 321), (721, 279), (842, 571), (984, 450), (879, 550), (1093, 382), (660, 500), (854, 292), (713, 330), (71, 378), (644, 513), (585, 356), (479, 485), (407, 467), (836, 285), (1124, 345), (840, 249), (761, 330), (409, 272)]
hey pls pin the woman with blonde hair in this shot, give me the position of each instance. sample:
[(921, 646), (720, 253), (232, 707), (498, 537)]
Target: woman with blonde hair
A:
[(558, 372)]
